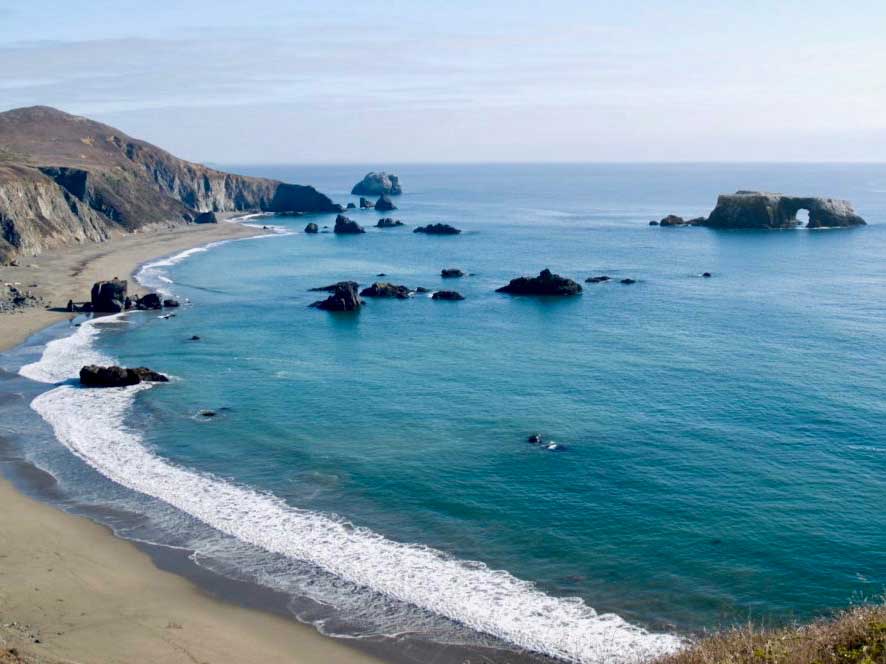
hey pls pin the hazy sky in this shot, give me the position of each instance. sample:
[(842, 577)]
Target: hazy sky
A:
[(391, 81)]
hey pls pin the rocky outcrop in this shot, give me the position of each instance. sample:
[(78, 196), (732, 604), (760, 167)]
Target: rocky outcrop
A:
[(312, 228), (366, 204), (385, 289), (451, 273), (754, 209), (447, 295), (95, 376), (149, 302), (344, 298), (331, 288), (346, 226), (546, 283), (206, 218), (437, 229), (376, 184), (387, 222), (384, 204), (108, 297), (66, 179)]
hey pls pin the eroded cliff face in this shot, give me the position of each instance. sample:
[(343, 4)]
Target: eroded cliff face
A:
[(66, 179), (36, 214)]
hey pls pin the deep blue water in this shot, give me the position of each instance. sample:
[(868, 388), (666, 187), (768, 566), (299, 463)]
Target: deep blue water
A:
[(724, 439)]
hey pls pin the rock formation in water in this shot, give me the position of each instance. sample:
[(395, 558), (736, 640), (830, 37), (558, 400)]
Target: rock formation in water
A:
[(65, 179), (346, 226), (546, 283), (754, 209), (376, 184), (437, 229), (385, 289), (447, 295), (451, 273), (95, 376), (331, 288), (312, 228), (387, 222), (384, 204), (366, 204), (344, 298)]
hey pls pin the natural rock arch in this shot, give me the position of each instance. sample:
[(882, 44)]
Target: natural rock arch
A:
[(754, 209)]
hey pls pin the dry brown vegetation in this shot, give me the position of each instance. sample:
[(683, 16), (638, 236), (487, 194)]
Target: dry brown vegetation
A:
[(855, 636)]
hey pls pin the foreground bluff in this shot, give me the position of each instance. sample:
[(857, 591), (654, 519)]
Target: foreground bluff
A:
[(65, 179), (754, 209)]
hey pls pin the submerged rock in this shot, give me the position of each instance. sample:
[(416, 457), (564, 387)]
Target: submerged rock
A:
[(437, 229), (344, 298), (96, 376), (755, 209), (312, 228), (447, 295), (535, 438), (628, 281), (451, 273), (597, 280), (422, 289), (385, 289), (546, 283), (375, 184), (706, 275), (108, 296), (384, 204), (345, 226), (387, 222)]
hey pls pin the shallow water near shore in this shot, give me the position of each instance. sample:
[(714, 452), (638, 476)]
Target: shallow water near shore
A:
[(721, 441)]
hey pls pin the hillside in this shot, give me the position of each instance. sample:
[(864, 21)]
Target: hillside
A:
[(66, 179)]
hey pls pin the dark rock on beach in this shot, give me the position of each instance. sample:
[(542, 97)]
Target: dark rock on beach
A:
[(344, 298), (385, 289), (546, 283), (206, 218), (387, 222), (108, 296), (447, 295), (376, 184), (755, 209), (451, 273), (95, 376), (384, 204), (151, 301), (345, 226), (437, 229), (312, 228)]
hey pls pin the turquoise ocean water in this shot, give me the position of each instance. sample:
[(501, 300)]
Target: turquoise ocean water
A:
[(723, 440)]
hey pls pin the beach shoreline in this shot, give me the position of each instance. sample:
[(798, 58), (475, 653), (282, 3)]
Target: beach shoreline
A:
[(73, 591)]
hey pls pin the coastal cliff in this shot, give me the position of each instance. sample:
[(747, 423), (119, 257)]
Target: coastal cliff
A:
[(66, 179)]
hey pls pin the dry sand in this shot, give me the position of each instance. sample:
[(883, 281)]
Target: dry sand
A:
[(86, 595)]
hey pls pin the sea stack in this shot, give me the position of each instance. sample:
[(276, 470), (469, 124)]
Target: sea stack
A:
[(755, 209), (376, 184)]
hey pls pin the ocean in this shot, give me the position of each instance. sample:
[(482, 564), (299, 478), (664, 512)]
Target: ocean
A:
[(720, 442)]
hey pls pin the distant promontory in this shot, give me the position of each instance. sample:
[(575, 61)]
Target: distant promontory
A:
[(65, 179)]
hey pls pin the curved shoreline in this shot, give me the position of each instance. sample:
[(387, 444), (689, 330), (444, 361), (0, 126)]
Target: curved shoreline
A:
[(72, 590)]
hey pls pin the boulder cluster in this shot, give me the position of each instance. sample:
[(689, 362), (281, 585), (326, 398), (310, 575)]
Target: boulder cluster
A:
[(110, 297)]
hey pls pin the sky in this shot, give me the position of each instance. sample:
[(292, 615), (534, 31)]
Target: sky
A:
[(275, 81)]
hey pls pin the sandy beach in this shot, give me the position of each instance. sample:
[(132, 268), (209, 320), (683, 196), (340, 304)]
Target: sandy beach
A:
[(70, 591)]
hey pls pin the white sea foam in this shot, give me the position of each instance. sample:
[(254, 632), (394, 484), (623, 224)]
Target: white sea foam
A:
[(91, 424)]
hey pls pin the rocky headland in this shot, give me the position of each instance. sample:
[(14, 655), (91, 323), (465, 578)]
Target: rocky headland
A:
[(65, 180)]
